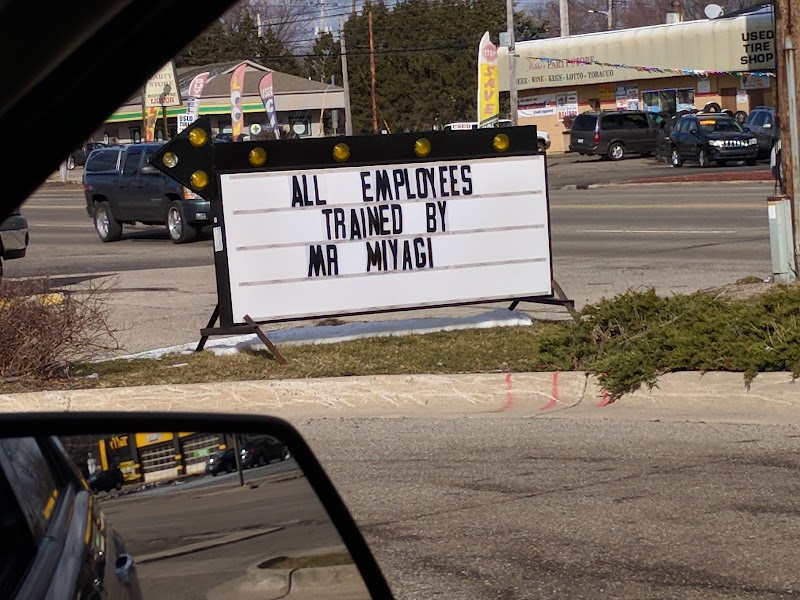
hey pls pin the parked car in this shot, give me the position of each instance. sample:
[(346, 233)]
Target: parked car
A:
[(543, 138), (762, 123), (616, 134), (78, 157), (14, 238), (262, 451), (105, 481), (122, 187), (224, 460), (711, 137), (57, 541)]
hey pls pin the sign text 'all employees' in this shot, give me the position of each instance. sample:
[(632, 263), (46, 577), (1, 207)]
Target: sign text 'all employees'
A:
[(353, 239)]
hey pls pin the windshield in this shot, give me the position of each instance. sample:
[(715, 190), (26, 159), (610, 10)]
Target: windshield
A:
[(492, 337), (720, 126)]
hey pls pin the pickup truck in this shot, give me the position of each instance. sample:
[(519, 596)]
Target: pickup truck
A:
[(123, 188)]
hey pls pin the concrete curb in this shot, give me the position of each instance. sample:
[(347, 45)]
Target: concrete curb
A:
[(271, 584), (773, 397)]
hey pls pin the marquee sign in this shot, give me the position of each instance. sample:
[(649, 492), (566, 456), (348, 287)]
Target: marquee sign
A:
[(343, 226)]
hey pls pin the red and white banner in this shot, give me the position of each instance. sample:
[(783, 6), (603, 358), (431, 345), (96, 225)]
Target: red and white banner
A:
[(196, 88), (488, 85), (237, 91)]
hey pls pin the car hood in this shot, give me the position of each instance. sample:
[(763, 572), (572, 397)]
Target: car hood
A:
[(729, 135)]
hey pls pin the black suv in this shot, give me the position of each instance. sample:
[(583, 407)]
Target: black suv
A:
[(711, 137), (77, 158), (262, 451), (105, 481), (614, 135), (763, 124)]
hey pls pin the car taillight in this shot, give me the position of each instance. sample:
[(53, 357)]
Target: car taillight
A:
[(596, 137), (189, 194), (87, 187)]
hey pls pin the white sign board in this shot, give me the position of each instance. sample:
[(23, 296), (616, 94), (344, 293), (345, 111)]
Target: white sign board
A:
[(356, 239)]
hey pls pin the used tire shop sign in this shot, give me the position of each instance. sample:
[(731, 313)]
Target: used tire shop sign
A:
[(353, 225)]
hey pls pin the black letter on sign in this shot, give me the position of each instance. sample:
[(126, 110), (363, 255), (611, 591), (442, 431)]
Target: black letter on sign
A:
[(383, 185), (365, 186), (466, 175), (430, 216), (374, 258), (323, 262), (443, 181), (298, 199)]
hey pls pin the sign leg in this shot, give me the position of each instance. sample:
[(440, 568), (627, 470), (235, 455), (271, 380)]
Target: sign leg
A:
[(267, 342), (204, 338)]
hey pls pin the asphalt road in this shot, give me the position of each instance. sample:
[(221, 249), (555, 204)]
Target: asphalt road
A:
[(238, 528), (496, 506), (647, 224)]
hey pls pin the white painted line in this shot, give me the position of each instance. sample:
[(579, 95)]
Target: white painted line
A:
[(63, 225)]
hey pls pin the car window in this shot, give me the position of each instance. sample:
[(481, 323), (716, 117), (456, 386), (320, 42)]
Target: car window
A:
[(585, 122), (612, 122), (132, 158), (719, 126), (32, 478), (103, 160), (756, 118), (769, 119), (634, 121)]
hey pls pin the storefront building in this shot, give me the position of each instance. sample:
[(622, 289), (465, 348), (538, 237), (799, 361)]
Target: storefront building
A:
[(662, 68), (304, 108)]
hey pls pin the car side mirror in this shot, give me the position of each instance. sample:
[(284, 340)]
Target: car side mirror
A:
[(149, 170), (694, 131), (152, 490)]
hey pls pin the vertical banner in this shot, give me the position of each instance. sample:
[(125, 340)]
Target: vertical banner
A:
[(237, 91), (196, 88), (151, 116), (268, 98), (488, 90)]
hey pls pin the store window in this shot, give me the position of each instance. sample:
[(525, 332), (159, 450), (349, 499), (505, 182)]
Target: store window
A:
[(668, 101)]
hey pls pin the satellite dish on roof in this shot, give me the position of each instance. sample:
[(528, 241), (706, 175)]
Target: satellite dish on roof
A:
[(713, 11)]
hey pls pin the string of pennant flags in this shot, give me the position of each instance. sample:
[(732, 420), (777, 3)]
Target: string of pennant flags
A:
[(696, 72)]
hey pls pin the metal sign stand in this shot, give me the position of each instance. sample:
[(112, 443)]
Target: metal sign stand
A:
[(250, 327), (560, 300)]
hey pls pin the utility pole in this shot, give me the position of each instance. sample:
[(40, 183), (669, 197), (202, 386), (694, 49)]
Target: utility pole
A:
[(372, 75), (610, 15), (512, 63), (348, 118), (787, 38), (563, 16)]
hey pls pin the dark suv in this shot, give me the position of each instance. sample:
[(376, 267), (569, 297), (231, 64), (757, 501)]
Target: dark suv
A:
[(762, 123), (711, 137), (262, 451), (614, 135)]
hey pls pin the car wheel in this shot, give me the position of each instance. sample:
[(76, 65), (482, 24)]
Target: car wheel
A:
[(229, 469), (616, 151), (71, 163), (213, 473), (702, 159), (751, 162), (541, 146), (108, 228), (118, 486), (722, 163), (740, 117), (180, 232), (675, 158)]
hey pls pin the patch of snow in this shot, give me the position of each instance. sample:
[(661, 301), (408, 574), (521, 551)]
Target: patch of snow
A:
[(331, 334)]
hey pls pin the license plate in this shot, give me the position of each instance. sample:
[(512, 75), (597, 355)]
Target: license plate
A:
[(580, 140)]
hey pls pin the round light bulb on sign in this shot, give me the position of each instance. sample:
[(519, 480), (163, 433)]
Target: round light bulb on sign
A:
[(299, 128), (255, 129)]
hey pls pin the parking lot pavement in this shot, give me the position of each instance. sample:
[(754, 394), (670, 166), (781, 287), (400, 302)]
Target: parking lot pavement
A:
[(573, 170)]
